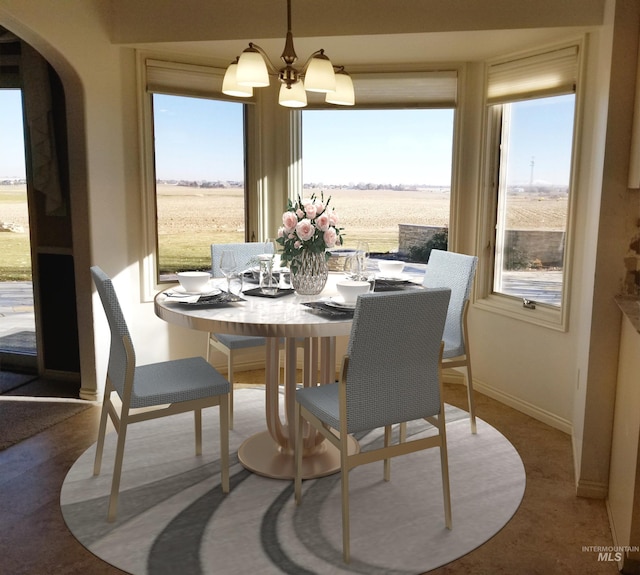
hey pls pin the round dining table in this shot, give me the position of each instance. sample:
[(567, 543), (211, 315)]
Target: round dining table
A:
[(287, 324)]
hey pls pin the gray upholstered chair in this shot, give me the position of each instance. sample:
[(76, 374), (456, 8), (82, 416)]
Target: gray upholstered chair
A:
[(456, 272), (390, 374), (228, 344), (152, 391)]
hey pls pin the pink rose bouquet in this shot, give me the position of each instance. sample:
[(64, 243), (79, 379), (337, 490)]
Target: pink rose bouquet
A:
[(309, 224)]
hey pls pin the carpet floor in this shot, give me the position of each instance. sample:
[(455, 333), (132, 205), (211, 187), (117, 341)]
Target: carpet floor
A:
[(173, 517), (10, 380), (21, 418)]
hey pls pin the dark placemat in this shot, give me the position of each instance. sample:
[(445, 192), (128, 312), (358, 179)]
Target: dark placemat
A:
[(222, 298), (258, 293), (324, 309), (394, 285)]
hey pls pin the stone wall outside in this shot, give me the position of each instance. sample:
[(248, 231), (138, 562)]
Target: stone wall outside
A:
[(542, 248)]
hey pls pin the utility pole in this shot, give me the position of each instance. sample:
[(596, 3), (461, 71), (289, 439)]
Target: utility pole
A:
[(532, 164)]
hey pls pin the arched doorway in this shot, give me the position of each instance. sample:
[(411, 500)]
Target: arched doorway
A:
[(48, 195)]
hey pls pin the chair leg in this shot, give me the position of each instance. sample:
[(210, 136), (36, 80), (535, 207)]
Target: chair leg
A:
[(444, 464), (224, 442), (230, 378), (197, 416), (472, 409), (117, 471), (298, 455), (403, 432), (344, 479), (102, 431), (387, 461)]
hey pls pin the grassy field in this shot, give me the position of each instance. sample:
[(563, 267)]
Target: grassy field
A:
[(15, 258), (191, 219)]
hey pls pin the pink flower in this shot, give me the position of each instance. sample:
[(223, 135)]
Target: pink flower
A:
[(333, 217), (281, 232), (305, 229), (300, 213), (323, 222), (310, 211), (297, 244), (330, 237), (289, 220), (319, 208)]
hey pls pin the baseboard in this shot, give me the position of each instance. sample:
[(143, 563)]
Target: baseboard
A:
[(451, 376), (592, 489)]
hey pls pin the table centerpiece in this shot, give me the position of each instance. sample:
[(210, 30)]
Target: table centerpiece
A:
[(309, 228)]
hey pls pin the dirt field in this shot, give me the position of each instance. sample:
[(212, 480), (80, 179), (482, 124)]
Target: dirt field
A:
[(193, 218), (363, 213)]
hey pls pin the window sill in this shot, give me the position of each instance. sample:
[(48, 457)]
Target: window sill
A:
[(543, 315)]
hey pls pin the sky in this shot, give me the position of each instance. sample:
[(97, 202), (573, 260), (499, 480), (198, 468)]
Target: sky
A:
[(11, 135), (199, 139)]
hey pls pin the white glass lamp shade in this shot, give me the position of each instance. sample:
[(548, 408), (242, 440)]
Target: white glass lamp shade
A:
[(320, 76), (344, 94), (230, 84), (294, 97), (252, 69)]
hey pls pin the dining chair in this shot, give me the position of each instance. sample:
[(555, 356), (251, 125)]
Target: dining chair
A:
[(154, 390), (390, 374), (229, 344), (456, 272)]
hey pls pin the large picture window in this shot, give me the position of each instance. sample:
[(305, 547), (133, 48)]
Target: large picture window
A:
[(199, 179)]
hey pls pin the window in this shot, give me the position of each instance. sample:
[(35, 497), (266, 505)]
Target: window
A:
[(387, 164), (531, 118), (533, 198), (199, 179), (388, 172), (195, 156)]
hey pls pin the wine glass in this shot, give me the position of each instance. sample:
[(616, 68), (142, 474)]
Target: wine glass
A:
[(271, 246), (362, 251), (228, 265)]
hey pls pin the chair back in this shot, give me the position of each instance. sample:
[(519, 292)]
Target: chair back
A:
[(393, 372), (122, 358), (456, 272), (243, 251)]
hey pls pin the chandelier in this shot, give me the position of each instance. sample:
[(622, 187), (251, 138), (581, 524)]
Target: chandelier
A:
[(251, 70)]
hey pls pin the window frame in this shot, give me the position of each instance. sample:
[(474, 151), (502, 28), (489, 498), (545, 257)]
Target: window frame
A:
[(156, 74), (446, 93), (544, 315)]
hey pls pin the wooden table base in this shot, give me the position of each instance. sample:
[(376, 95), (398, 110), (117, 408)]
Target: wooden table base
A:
[(263, 456), (270, 453)]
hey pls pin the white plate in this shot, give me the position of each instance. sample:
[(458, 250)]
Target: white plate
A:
[(181, 291), (339, 303), (398, 278)]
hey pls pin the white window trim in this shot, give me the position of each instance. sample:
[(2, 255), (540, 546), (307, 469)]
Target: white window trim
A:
[(542, 315)]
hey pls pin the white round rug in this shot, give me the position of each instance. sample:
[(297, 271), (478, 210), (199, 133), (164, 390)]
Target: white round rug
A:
[(173, 517)]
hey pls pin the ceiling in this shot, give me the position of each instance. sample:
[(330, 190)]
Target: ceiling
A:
[(353, 32)]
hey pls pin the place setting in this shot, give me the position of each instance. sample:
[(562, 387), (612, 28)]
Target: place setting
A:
[(391, 277), (344, 304), (196, 289), (273, 280)]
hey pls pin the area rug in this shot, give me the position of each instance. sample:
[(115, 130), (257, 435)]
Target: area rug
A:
[(10, 380), (173, 517), (19, 342), (24, 417)]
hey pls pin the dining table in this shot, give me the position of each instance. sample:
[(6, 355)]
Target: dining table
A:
[(287, 321)]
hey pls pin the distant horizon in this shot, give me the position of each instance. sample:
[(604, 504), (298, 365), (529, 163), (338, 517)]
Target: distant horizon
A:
[(343, 148)]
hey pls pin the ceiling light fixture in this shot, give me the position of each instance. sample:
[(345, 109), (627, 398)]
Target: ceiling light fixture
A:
[(252, 69)]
